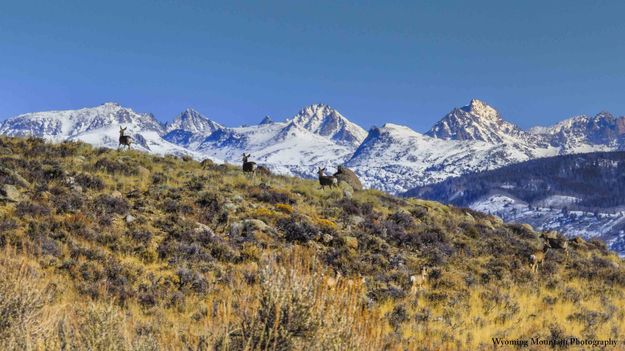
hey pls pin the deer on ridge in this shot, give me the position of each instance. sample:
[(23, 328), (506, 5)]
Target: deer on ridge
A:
[(124, 140)]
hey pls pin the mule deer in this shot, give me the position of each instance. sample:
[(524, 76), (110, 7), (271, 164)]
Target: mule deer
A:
[(124, 140), (330, 281), (325, 180), (248, 167), (418, 281), (537, 258)]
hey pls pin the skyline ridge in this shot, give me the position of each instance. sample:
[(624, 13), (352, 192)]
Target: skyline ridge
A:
[(255, 120)]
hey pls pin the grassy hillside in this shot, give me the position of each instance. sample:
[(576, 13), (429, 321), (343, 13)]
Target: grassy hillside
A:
[(107, 250)]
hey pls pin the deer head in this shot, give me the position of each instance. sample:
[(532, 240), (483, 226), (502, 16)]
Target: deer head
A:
[(122, 130), (321, 170), (246, 157)]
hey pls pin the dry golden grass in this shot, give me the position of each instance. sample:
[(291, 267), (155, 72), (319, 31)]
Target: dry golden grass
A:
[(314, 270)]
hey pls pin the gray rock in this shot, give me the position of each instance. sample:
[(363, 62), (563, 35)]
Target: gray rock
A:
[(356, 220), (347, 194), (130, 219), (203, 228), (344, 174), (207, 163), (236, 228), (15, 176), (229, 206), (70, 181), (9, 193), (143, 172), (256, 224)]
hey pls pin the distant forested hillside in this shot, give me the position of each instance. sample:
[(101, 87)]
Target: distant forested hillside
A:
[(597, 180)]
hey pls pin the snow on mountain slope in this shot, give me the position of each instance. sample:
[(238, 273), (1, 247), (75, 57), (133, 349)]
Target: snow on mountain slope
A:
[(325, 121), (392, 158), (98, 126), (602, 132), (59, 125), (476, 121), (395, 158), (190, 128), (192, 121), (317, 136), (608, 225), (286, 148)]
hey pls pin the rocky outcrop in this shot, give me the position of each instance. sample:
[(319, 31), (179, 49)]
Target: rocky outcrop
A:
[(344, 174)]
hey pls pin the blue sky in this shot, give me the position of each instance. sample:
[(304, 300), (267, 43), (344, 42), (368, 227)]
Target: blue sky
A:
[(406, 62)]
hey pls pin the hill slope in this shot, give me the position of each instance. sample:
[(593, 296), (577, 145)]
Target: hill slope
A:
[(125, 250)]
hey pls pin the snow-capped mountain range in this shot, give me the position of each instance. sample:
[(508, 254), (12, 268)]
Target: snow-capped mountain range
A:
[(392, 158)]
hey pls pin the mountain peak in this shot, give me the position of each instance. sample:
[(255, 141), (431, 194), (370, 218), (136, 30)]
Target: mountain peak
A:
[(324, 120), (110, 104), (192, 121), (190, 111), (266, 120), (318, 109), (475, 121), (480, 109)]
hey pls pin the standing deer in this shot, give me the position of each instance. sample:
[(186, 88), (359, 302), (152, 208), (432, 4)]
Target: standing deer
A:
[(418, 281), (325, 180), (537, 258), (248, 167), (124, 140)]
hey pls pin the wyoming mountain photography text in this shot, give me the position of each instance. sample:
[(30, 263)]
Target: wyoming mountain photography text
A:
[(312, 175)]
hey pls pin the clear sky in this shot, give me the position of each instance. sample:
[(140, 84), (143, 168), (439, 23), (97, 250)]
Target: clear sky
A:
[(406, 62)]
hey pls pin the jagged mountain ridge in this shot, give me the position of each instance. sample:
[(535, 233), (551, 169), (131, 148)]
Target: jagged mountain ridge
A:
[(192, 121), (471, 139), (324, 120), (391, 158), (190, 128), (97, 126), (476, 121)]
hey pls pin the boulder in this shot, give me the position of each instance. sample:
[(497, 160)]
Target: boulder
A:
[(256, 224), (356, 220), (143, 172), (263, 171), (344, 174), (327, 238), (550, 235), (207, 163), (347, 193), (229, 206), (248, 225), (130, 219), (9, 193), (202, 228), (16, 177)]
